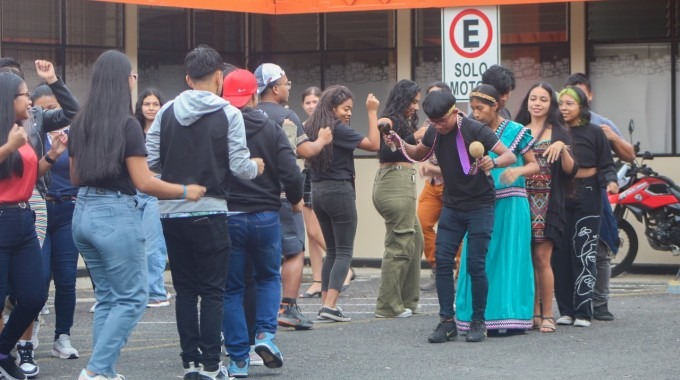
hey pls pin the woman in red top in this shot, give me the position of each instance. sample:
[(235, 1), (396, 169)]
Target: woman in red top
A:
[(20, 167)]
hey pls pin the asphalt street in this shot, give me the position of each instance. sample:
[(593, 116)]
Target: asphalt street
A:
[(642, 343)]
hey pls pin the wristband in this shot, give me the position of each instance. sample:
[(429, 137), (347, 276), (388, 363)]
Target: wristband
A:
[(184, 194), (495, 164), (49, 160)]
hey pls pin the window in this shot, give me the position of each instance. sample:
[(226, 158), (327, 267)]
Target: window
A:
[(631, 52), (534, 45), (167, 34), (90, 29), (322, 50)]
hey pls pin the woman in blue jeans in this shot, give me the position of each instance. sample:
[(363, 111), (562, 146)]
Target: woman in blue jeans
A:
[(20, 167), (148, 104), (333, 187), (59, 252), (108, 163)]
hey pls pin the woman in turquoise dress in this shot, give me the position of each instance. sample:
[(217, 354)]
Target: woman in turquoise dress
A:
[(509, 268)]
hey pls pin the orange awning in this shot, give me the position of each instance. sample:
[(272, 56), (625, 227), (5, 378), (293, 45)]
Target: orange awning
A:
[(320, 6)]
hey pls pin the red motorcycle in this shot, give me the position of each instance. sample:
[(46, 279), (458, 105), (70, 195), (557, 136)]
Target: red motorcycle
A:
[(654, 200)]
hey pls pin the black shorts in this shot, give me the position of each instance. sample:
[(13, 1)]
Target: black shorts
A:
[(307, 195)]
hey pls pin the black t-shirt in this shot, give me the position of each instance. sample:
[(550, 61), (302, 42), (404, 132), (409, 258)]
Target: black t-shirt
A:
[(404, 131), (461, 191), (134, 147), (345, 140), (592, 150), (279, 113)]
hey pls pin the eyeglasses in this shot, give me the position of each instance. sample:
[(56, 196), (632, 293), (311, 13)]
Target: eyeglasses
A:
[(26, 94), (288, 84), (134, 75)]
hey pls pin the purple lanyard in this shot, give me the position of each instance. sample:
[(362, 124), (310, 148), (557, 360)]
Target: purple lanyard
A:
[(462, 152)]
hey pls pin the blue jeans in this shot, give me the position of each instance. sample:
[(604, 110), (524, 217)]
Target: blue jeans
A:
[(335, 207), (107, 229), (257, 237), (60, 261), (453, 225), (20, 263), (154, 244)]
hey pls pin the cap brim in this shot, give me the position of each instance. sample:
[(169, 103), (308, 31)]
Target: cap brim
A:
[(238, 101)]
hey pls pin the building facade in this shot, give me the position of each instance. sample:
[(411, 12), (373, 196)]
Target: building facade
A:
[(630, 50)]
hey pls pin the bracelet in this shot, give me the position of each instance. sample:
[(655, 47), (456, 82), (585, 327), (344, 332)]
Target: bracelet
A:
[(49, 160), (184, 194)]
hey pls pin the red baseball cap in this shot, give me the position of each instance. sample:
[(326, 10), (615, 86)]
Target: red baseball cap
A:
[(238, 87)]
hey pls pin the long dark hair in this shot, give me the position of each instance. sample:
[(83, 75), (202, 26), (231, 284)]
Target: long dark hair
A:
[(140, 100), (400, 98), (9, 87), (324, 116), (97, 137), (554, 117)]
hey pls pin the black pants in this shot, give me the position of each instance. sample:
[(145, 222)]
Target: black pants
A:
[(198, 250), (573, 261)]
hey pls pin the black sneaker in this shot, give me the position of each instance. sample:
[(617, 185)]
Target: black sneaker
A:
[(290, 315), (9, 369), (335, 315), (27, 360), (602, 313), (444, 332), (477, 332)]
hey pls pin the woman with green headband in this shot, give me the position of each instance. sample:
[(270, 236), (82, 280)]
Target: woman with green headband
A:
[(574, 261)]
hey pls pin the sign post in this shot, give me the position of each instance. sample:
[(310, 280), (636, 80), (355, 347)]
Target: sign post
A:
[(470, 44)]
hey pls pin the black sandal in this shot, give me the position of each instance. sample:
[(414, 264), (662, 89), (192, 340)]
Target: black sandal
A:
[(307, 294)]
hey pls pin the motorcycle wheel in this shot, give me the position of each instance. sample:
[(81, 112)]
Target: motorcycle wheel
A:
[(628, 248)]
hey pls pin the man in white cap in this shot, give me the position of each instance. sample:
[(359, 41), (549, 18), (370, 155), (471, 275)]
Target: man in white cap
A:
[(273, 88)]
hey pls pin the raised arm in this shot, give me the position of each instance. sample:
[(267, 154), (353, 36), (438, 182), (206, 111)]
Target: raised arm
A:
[(371, 142)]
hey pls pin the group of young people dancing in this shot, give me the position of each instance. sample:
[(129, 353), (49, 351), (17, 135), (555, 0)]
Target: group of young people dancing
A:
[(211, 178)]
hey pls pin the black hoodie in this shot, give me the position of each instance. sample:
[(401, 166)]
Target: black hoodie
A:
[(267, 140)]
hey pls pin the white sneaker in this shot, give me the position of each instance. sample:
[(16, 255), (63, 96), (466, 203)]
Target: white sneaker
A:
[(158, 303), (93, 307), (565, 320), (45, 310), (580, 322), (26, 359), (404, 314), (85, 376), (63, 349), (255, 359)]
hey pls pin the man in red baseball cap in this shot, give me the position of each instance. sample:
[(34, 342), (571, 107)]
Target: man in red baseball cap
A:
[(255, 228)]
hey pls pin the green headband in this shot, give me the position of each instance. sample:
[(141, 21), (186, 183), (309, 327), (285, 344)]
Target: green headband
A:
[(570, 91)]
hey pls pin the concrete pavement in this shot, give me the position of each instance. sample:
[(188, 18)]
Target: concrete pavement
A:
[(643, 342)]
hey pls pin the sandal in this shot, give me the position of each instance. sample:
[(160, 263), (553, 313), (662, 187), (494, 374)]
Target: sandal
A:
[(536, 323), (547, 325), (307, 294)]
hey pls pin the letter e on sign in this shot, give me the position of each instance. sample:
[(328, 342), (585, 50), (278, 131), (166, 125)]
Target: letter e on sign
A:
[(471, 33)]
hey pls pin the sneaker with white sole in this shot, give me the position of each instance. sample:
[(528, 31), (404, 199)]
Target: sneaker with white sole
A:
[(9, 369), (333, 314), (580, 322), (255, 359), (45, 310), (404, 314), (26, 360), (84, 376), (565, 320), (63, 349), (158, 303), (93, 307)]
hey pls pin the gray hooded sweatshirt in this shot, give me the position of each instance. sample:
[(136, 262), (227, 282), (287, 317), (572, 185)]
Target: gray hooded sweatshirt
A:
[(189, 107)]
